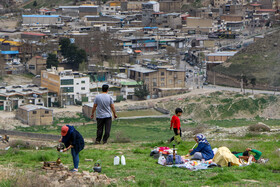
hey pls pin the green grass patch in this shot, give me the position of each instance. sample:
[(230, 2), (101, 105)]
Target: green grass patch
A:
[(139, 113), (148, 173)]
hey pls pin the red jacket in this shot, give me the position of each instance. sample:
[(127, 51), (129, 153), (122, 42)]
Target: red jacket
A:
[(175, 122)]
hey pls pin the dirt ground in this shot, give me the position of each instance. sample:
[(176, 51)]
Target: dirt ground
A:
[(16, 80)]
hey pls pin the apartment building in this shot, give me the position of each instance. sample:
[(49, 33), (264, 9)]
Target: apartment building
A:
[(70, 86), (158, 78)]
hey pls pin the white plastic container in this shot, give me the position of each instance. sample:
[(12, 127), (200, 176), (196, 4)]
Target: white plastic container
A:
[(123, 160), (116, 160), (161, 159)]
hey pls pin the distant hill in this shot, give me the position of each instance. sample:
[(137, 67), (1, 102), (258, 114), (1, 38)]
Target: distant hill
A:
[(260, 60), (47, 3)]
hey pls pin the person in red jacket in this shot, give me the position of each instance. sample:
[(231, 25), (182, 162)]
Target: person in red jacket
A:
[(175, 123)]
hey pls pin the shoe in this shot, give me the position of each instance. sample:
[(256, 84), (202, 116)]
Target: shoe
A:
[(104, 142), (73, 170), (96, 142)]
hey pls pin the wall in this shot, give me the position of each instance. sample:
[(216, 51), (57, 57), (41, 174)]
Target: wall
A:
[(50, 81), (194, 22), (170, 6), (31, 135)]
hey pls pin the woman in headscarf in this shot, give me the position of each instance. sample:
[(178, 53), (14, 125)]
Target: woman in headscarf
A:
[(203, 150), (73, 140)]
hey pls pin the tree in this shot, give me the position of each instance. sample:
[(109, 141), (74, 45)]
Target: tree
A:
[(141, 91), (72, 53), (253, 83), (52, 60), (244, 82), (35, 3), (64, 45)]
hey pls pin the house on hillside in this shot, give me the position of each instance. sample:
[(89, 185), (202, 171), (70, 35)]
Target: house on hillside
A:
[(35, 115)]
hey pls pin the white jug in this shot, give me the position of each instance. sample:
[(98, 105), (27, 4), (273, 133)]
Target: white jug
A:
[(116, 160), (123, 160)]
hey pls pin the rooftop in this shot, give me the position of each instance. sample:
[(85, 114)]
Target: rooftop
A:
[(40, 16), (33, 107), (223, 53)]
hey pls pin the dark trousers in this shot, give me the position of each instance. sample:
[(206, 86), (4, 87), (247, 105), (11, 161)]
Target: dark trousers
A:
[(101, 122), (75, 156), (176, 133)]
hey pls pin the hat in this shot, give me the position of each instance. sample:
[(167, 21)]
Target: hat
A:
[(64, 130)]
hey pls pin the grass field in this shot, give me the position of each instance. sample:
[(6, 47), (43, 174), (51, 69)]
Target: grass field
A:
[(143, 135), (148, 173)]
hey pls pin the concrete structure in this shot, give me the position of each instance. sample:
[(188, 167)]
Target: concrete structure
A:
[(87, 110), (158, 77), (35, 115), (70, 86), (170, 5), (12, 97), (199, 25), (41, 19), (32, 36), (36, 65), (148, 9), (88, 10)]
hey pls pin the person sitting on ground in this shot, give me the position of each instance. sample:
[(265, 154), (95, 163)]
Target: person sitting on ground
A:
[(73, 140), (203, 150), (175, 123), (247, 156)]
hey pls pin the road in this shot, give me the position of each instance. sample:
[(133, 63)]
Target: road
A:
[(223, 88)]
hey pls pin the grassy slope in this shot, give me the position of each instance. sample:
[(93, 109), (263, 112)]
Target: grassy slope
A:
[(260, 60), (48, 3), (148, 173), (221, 106)]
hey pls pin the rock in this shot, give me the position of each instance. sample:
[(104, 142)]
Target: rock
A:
[(88, 160), (260, 127), (130, 178)]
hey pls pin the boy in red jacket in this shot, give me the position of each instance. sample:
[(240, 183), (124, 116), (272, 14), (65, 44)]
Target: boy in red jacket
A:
[(175, 123)]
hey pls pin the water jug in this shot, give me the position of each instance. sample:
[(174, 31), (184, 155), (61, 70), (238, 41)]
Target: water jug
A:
[(116, 160), (123, 160)]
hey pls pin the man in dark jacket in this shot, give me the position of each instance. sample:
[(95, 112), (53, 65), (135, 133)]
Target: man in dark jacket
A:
[(73, 140)]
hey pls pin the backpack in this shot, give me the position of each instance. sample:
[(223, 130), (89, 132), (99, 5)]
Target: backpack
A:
[(178, 159)]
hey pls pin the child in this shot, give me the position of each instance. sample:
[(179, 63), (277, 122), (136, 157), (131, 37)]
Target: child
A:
[(175, 123)]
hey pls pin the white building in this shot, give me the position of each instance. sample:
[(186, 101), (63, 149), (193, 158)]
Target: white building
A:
[(70, 86)]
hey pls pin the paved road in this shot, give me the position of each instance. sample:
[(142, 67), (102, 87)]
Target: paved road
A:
[(222, 88)]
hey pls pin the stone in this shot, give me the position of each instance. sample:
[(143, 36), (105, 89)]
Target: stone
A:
[(88, 160)]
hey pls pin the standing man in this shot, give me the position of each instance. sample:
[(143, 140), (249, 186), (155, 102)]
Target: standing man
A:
[(104, 106)]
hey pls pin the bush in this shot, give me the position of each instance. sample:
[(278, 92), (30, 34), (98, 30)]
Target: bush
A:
[(260, 127)]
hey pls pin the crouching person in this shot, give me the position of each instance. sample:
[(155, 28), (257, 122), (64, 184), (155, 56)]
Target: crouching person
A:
[(203, 150), (73, 140)]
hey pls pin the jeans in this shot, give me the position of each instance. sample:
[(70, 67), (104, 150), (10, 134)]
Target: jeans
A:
[(75, 158), (101, 122), (176, 133)]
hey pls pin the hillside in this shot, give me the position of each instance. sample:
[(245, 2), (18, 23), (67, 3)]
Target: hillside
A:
[(47, 3), (225, 105), (260, 60)]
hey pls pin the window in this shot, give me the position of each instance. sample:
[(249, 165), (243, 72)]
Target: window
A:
[(31, 67), (34, 112), (154, 79), (83, 88), (67, 89), (170, 81), (162, 73), (83, 82), (67, 82), (22, 101), (46, 112), (39, 100), (77, 83), (162, 79), (162, 84), (154, 84), (179, 81), (170, 72)]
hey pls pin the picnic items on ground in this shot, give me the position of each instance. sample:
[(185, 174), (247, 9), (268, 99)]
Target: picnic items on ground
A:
[(123, 160), (116, 160)]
